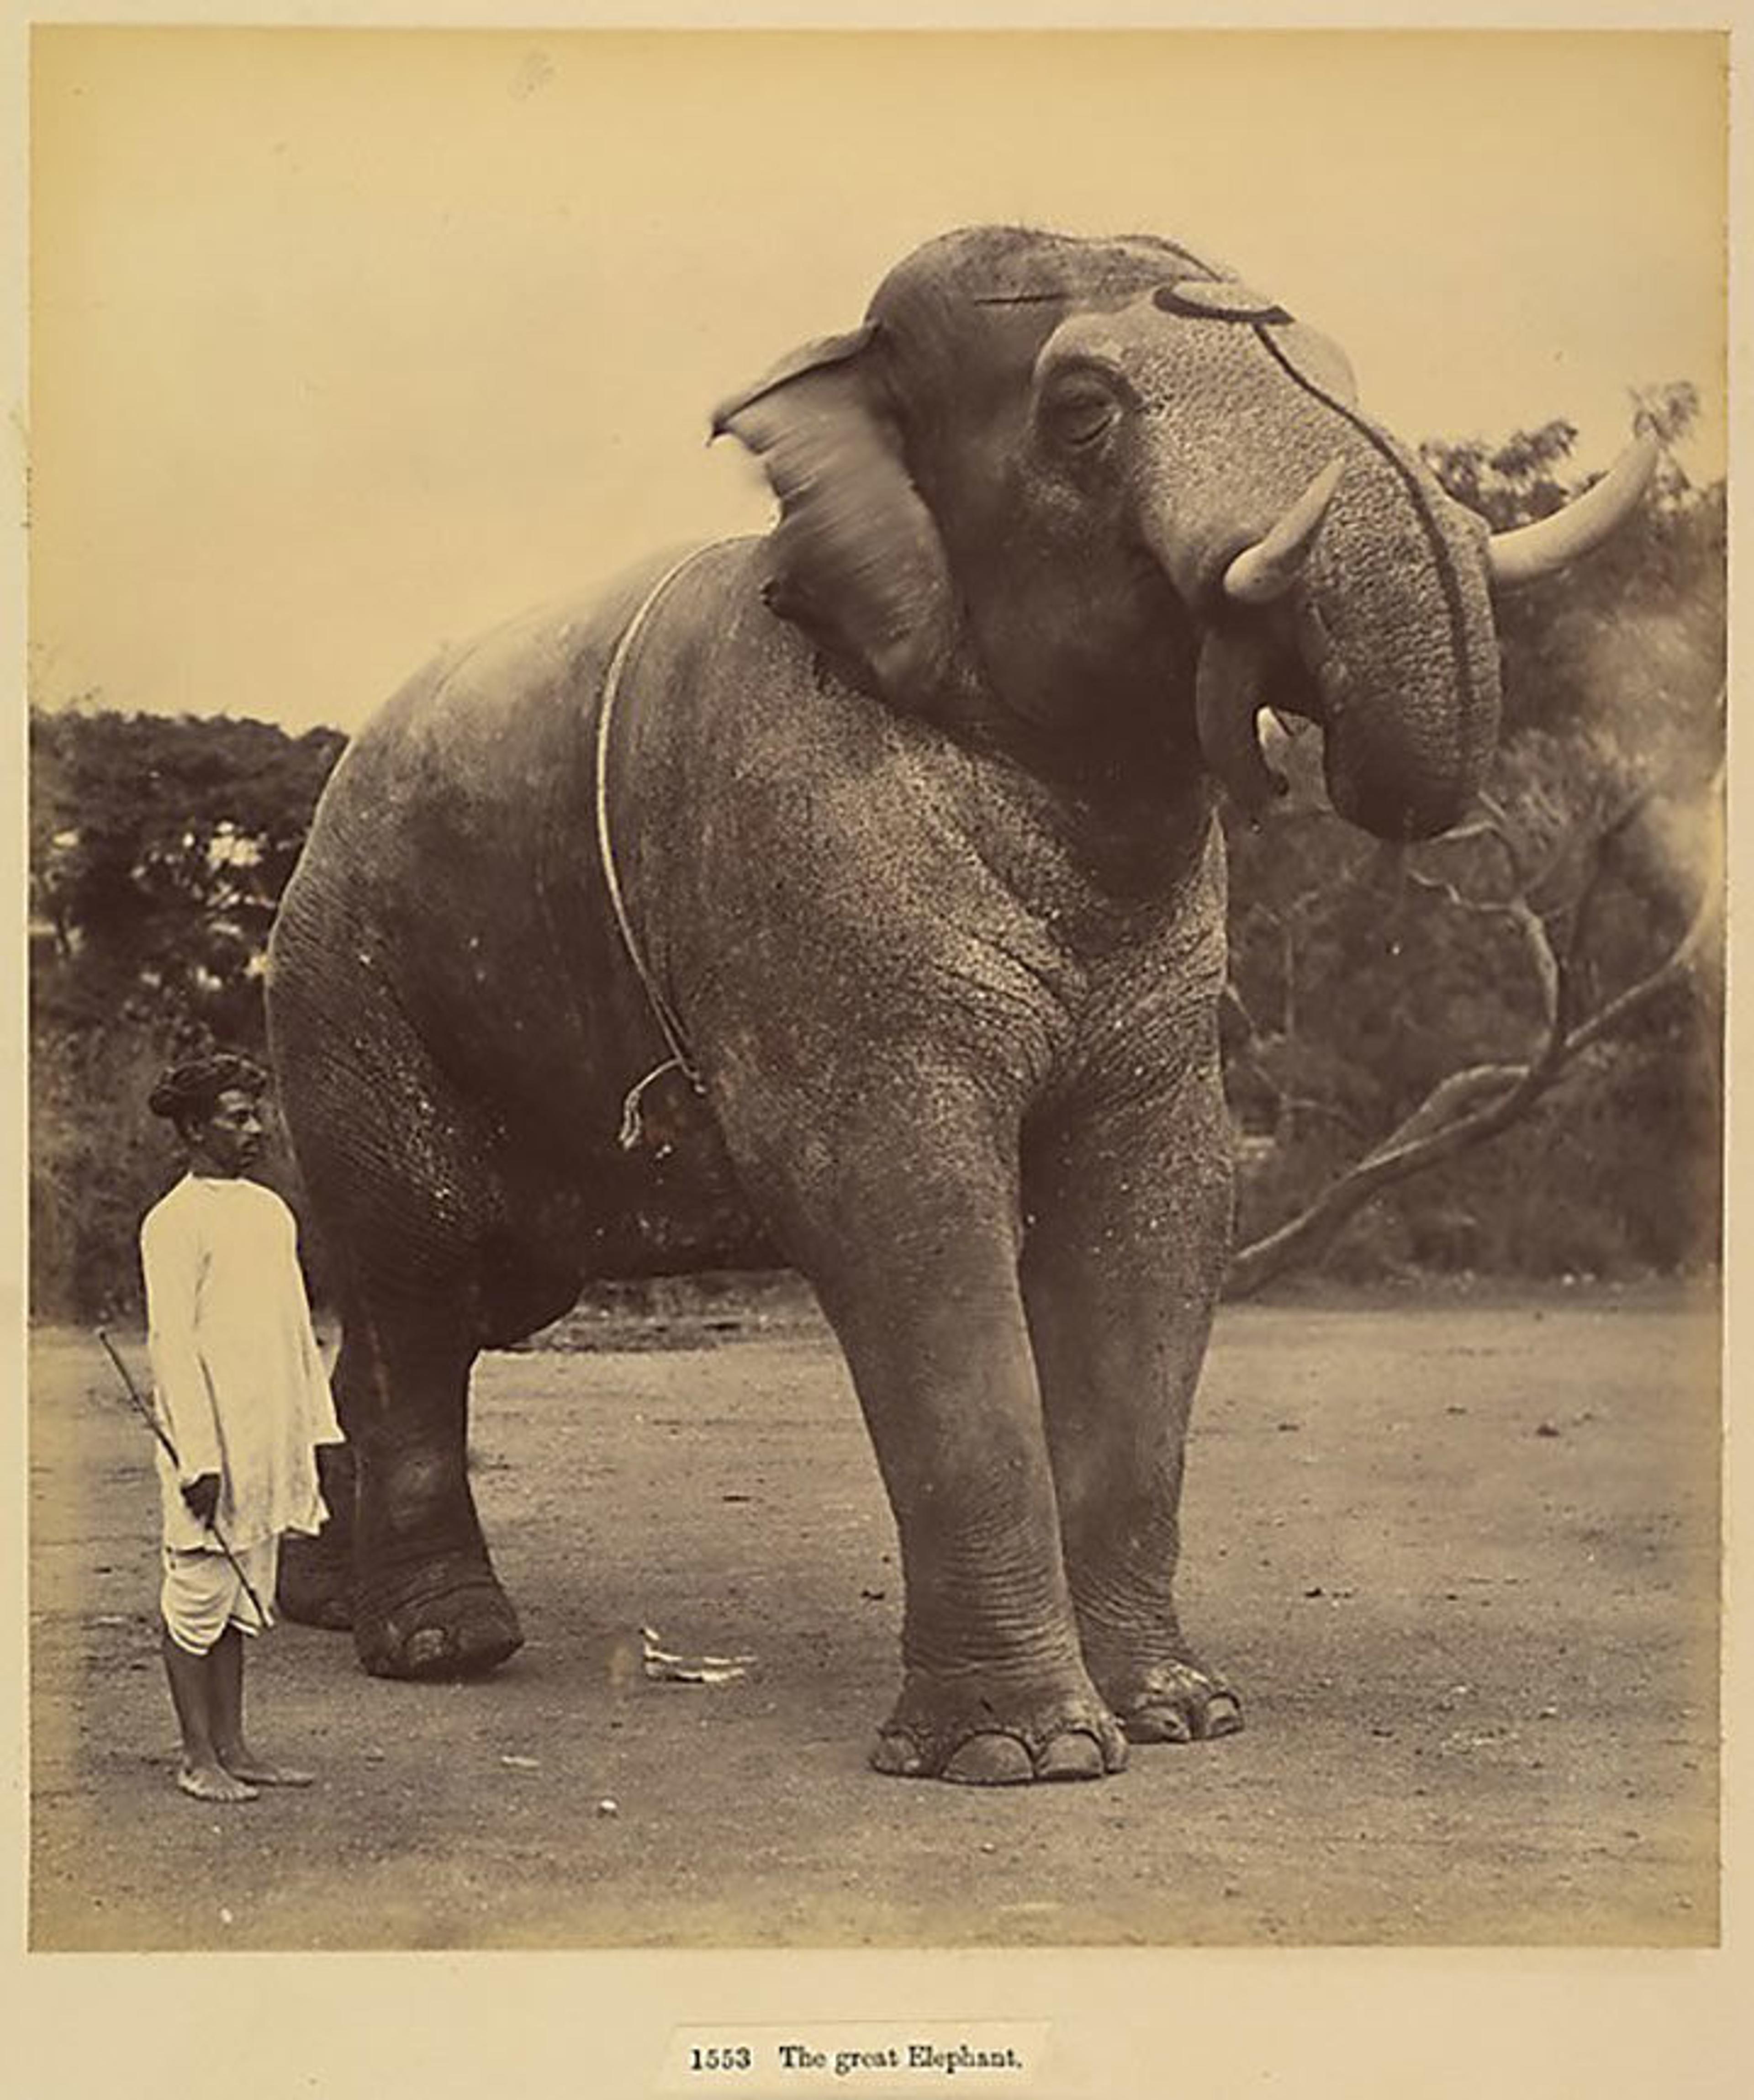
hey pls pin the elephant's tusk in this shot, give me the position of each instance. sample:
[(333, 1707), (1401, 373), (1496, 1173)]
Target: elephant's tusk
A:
[(1268, 569), (1529, 551), (1228, 696)]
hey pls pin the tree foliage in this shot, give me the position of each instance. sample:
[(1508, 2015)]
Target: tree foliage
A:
[(159, 850)]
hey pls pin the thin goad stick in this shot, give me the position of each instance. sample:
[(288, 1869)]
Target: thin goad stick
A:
[(153, 1422)]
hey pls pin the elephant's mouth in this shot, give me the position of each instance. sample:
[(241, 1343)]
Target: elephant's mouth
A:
[(1244, 671), (1378, 773)]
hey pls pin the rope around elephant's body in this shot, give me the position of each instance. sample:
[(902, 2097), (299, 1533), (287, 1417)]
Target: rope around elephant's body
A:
[(679, 1059)]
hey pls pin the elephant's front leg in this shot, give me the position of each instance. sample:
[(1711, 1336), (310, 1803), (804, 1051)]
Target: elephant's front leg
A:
[(1128, 1235), (914, 1251)]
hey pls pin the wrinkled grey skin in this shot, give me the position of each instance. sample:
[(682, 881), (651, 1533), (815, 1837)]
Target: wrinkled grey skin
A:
[(915, 823)]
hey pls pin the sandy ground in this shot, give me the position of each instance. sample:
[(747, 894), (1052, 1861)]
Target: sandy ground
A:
[(1460, 1557)]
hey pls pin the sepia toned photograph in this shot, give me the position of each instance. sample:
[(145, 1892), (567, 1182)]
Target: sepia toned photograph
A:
[(875, 969)]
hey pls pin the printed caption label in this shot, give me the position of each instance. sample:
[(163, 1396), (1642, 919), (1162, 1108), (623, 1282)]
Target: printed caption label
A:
[(876, 2059)]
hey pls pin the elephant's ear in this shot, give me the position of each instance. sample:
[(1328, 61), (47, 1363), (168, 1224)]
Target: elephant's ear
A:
[(857, 560)]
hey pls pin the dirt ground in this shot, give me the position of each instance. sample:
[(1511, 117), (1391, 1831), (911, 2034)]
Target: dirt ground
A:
[(1459, 1556)]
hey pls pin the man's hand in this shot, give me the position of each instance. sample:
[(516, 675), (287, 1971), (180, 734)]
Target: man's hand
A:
[(202, 1496)]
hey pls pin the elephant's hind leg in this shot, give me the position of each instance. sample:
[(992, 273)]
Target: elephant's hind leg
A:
[(426, 1602), (406, 1181), (315, 1582)]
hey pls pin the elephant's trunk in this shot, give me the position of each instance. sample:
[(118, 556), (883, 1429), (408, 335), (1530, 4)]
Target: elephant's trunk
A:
[(1395, 627), (1364, 605)]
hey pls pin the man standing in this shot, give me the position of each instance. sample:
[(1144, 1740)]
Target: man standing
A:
[(243, 1397)]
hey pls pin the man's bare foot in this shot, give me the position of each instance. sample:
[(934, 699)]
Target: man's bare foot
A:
[(214, 1783), (245, 1764)]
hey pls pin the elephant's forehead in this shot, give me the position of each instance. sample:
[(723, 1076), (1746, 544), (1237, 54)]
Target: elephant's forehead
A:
[(1169, 348), (981, 302), (999, 292)]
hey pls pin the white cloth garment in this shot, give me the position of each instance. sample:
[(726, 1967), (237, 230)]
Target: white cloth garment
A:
[(204, 1593), (238, 1383)]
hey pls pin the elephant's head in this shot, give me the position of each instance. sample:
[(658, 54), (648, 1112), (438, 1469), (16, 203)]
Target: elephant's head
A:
[(1086, 482)]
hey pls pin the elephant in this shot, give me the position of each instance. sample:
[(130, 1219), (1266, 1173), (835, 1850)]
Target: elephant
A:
[(853, 895)]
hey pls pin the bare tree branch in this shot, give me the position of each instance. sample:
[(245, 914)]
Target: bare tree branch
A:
[(1467, 1107)]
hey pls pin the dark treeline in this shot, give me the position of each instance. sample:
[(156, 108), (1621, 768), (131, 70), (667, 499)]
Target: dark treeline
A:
[(1365, 982), (159, 848)]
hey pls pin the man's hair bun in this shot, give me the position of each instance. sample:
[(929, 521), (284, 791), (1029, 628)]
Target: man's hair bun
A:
[(190, 1088)]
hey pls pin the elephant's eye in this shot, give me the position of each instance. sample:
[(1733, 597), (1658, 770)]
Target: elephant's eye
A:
[(1078, 412)]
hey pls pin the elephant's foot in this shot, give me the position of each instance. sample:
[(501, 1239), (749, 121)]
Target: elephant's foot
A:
[(315, 1583), (984, 1737), (1177, 1701), (448, 1617)]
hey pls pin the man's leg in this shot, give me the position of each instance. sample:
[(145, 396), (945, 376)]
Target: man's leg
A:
[(193, 1679), (195, 1603), (227, 1683), (235, 1754)]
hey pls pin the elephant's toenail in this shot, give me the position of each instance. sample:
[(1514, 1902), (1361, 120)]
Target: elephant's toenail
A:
[(426, 1646), (991, 1761), (1223, 1716), (484, 1642), (1074, 1756)]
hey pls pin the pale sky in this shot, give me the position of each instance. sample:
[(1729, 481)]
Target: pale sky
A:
[(347, 344)]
